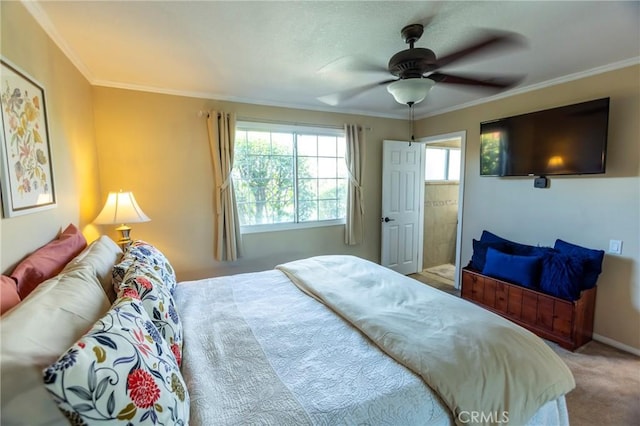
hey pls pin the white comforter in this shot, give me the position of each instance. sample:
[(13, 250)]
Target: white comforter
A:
[(475, 360), (259, 351)]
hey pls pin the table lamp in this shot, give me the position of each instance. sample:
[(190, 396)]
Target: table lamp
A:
[(121, 208)]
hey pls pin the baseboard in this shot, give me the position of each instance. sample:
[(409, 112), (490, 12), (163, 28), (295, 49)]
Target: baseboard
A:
[(616, 344)]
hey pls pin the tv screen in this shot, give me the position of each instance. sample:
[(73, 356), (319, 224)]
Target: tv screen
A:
[(568, 140)]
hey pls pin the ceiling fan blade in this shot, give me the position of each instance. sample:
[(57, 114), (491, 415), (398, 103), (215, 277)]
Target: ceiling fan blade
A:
[(351, 63), (337, 98), (391, 80), (491, 41), (488, 82)]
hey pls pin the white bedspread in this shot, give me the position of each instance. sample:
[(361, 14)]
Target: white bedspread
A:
[(259, 351)]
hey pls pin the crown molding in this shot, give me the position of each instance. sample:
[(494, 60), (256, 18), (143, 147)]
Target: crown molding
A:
[(549, 83), (33, 7)]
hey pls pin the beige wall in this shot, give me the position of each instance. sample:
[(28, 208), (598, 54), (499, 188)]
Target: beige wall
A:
[(156, 145), (588, 210), (69, 111)]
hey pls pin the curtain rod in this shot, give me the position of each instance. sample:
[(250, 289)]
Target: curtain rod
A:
[(288, 123)]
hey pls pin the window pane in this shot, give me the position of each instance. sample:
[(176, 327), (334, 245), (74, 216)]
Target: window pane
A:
[(307, 189), (342, 168), (454, 164), (435, 164), (241, 144), (307, 145), (307, 167), (327, 209), (308, 210), (258, 142), (327, 146), (342, 146), (327, 189), (327, 167), (282, 144)]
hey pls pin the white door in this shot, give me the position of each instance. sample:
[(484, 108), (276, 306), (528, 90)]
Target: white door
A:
[(402, 192)]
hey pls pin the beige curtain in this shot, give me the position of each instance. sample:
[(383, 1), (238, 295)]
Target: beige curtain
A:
[(354, 156), (226, 228)]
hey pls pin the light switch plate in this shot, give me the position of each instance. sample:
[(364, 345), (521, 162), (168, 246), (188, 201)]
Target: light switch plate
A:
[(615, 246)]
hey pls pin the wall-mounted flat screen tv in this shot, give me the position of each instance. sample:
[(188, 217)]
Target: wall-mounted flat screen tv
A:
[(569, 140)]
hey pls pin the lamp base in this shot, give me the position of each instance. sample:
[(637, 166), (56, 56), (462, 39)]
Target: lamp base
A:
[(125, 240)]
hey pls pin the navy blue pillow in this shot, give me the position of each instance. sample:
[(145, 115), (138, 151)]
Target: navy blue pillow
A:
[(489, 237), (561, 275), (591, 259), (515, 248), (522, 270), (479, 256)]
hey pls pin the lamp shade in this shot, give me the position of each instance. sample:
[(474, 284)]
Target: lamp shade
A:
[(410, 90), (120, 208)]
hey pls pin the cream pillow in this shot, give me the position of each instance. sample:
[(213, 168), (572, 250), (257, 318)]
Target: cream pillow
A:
[(102, 254), (36, 332)]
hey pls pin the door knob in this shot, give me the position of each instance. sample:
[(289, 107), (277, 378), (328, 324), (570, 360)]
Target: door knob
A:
[(386, 219)]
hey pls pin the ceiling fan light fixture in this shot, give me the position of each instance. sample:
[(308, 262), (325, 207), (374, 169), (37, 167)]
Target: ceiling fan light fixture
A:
[(410, 90)]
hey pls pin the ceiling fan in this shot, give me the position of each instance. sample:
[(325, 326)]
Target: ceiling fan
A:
[(417, 69)]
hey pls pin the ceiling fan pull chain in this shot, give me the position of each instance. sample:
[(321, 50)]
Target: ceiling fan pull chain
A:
[(411, 122)]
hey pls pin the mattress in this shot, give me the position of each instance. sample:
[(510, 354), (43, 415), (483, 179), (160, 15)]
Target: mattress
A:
[(257, 350)]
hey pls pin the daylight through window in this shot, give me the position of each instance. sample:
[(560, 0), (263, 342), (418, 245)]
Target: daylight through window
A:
[(442, 164), (288, 175)]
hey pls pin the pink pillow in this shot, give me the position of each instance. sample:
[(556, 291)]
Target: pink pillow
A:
[(48, 261), (9, 293)]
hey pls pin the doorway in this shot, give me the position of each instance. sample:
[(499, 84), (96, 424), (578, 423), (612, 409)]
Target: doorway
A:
[(442, 201)]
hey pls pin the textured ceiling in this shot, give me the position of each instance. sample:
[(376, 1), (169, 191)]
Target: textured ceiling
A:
[(293, 53)]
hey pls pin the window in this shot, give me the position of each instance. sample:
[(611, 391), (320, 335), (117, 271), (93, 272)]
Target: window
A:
[(442, 163), (289, 176)]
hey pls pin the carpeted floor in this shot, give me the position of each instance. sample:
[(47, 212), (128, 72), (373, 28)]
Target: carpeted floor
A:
[(607, 379), (607, 385), (446, 271), (436, 281)]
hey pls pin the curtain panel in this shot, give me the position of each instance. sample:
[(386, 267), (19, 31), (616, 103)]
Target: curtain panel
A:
[(226, 228), (354, 157)]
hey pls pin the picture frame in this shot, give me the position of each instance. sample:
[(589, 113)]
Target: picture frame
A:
[(26, 170)]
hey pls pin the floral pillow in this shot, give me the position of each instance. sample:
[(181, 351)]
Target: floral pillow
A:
[(118, 271), (141, 282), (142, 251), (121, 370)]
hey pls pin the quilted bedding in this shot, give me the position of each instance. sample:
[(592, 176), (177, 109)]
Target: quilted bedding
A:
[(475, 360), (257, 350)]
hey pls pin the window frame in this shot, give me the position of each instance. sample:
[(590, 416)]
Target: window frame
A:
[(245, 125)]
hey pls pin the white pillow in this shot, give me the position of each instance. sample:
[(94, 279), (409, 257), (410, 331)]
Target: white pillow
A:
[(35, 333), (102, 254)]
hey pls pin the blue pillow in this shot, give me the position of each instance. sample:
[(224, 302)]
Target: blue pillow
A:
[(488, 237), (591, 259), (521, 270), (561, 275), (515, 248), (479, 256)]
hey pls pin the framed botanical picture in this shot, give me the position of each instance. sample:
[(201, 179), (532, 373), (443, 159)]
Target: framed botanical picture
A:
[(26, 171)]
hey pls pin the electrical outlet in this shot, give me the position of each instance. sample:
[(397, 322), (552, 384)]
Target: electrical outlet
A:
[(615, 246)]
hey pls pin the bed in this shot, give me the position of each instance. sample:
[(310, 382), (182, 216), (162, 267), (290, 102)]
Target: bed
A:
[(275, 347)]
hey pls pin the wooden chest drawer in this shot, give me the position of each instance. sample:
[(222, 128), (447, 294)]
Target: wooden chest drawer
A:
[(569, 324)]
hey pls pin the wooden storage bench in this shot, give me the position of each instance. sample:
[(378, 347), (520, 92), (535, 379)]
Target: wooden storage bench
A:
[(570, 324)]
